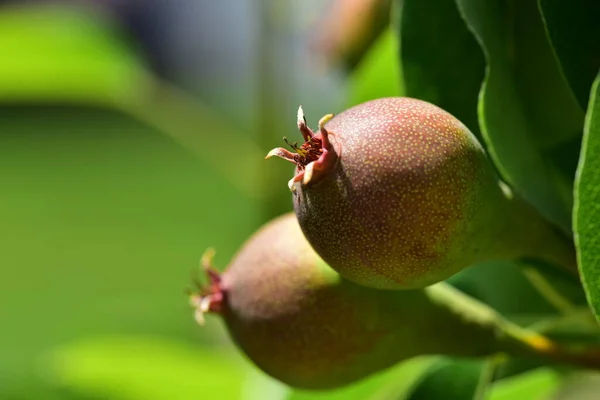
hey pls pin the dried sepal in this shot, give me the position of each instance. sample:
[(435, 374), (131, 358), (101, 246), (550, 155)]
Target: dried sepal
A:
[(207, 297), (315, 157)]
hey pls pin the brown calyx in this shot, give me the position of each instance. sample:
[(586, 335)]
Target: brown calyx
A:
[(210, 297), (315, 157)]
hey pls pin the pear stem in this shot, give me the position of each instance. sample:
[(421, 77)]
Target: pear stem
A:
[(552, 351), (514, 340)]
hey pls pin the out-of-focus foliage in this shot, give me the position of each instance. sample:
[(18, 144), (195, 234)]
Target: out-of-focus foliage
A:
[(347, 29), (389, 385), (56, 54), (79, 56), (149, 368), (448, 379), (103, 221), (578, 386), (378, 74), (103, 217), (536, 384)]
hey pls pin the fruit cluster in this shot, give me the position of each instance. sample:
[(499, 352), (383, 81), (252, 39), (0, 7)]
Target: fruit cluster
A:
[(391, 197)]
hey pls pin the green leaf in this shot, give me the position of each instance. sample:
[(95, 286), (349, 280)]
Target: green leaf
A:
[(71, 54), (384, 386), (145, 368), (534, 385), (378, 74), (550, 107), (448, 379), (441, 60), (518, 120), (574, 31), (587, 203)]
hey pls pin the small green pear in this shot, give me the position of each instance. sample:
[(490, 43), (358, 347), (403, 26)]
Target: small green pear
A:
[(303, 324), (396, 193)]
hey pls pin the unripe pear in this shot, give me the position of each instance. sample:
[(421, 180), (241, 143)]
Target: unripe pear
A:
[(396, 193), (303, 324)]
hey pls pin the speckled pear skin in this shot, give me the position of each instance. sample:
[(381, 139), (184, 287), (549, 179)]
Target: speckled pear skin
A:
[(298, 321), (412, 199)]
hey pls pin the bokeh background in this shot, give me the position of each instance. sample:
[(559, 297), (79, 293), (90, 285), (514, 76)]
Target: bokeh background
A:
[(132, 137)]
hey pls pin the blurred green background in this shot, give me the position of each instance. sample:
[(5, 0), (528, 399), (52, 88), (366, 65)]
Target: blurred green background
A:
[(132, 137)]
